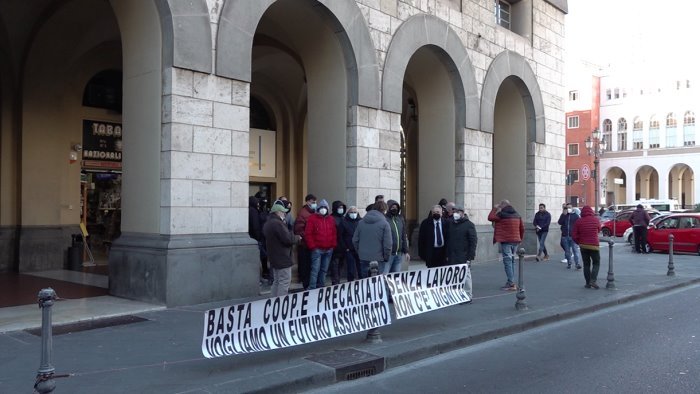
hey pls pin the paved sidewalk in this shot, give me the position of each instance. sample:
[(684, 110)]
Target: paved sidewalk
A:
[(163, 355)]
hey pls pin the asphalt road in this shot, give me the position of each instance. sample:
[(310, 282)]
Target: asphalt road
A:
[(649, 346)]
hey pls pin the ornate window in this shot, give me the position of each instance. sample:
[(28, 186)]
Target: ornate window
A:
[(671, 124), (607, 134), (638, 134), (622, 134), (654, 132), (671, 120), (689, 129)]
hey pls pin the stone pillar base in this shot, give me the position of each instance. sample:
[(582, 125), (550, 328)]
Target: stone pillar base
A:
[(176, 270), (8, 248), (44, 247)]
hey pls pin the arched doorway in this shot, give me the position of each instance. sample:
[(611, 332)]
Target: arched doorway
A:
[(647, 183), (681, 185), (615, 186)]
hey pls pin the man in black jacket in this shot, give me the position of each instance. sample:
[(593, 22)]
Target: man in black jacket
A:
[(431, 239), (461, 243)]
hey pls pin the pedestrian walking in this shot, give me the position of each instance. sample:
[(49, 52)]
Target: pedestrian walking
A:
[(541, 222), (508, 231), (347, 230), (372, 239), (399, 237), (640, 220), (585, 234), (461, 243), (566, 222), (303, 252), (432, 234), (279, 240)]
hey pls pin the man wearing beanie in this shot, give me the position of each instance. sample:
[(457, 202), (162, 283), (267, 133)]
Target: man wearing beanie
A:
[(279, 241), (321, 238)]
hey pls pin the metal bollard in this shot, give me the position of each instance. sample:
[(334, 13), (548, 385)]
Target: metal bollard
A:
[(373, 335), (520, 303), (611, 275), (671, 270), (45, 376)]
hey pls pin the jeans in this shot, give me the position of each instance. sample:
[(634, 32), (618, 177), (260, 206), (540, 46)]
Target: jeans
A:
[(569, 246), (364, 268), (542, 237), (320, 259), (590, 256), (283, 277), (508, 249), (394, 263), (353, 265)]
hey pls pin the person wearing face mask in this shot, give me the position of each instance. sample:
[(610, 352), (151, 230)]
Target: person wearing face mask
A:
[(508, 231), (347, 230), (372, 239), (338, 212), (461, 243), (321, 238), (279, 241), (541, 222), (566, 221), (432, 236), (303, 252), (399, 238)]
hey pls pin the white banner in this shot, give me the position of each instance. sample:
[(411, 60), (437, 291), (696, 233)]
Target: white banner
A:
[(295, 319), (421, 291)]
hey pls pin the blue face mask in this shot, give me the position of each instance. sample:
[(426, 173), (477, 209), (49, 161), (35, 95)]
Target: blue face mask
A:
[(314, 206)]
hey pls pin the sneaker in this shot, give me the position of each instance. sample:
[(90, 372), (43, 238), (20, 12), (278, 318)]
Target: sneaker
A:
[(588, 285), (537, 258), (568, 266), (564, 260), (509, 287), (578, 266), (595, 285), (546, 257)]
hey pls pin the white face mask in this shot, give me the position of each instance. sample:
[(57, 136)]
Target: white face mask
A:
[(323, 211), (569, 210), (341, 211), (353, 215), (457, 216)]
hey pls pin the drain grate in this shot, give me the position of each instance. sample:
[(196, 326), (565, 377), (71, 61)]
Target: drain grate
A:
[(350, 364), (90, 325)]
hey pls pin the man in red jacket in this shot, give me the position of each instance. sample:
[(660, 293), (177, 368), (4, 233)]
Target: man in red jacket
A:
[(321, 238), (585, 234), (508, 230)]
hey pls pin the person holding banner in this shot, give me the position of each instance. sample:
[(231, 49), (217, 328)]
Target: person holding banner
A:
[(399, 243), (321, 238), (372, 239), (431, 238), (279, 240), (509, 231), (461, 243)]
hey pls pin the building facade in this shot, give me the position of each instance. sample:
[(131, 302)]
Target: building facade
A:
[(152, 121)]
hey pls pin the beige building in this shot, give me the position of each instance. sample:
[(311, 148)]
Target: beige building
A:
[(152, 121)]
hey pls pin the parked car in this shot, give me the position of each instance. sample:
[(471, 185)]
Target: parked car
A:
[(629, 233), (685, 228), (622, 222), (607, 215)]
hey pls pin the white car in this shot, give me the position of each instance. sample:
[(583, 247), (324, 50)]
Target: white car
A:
[(629, 233)]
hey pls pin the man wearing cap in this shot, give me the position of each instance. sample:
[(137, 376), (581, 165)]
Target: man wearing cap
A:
[(461, 242), (279, 241)]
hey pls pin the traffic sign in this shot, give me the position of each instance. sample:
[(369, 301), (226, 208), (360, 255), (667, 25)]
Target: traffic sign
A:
[(585, 172)]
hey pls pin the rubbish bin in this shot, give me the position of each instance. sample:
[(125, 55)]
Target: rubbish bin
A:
[(75, 253)]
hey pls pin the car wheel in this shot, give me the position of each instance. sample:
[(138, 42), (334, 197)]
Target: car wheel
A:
[(606, 232), (630, 239), (649, 248)]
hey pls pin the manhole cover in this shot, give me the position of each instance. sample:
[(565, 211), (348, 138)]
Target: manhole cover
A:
[(350, 364), (90, 325)]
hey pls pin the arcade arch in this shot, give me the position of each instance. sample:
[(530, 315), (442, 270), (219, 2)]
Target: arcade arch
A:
[(681, 185), (615, 192), (646, 183)]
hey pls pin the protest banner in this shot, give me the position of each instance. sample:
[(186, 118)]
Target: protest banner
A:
[(297, 318), (420, 291)]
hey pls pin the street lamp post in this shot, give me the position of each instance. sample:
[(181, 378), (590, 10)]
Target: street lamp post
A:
[(596, 147)]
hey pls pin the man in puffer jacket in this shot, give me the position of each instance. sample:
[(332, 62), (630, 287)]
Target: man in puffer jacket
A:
[(372, 239), (585, 234), (509, 231), (321, 238)]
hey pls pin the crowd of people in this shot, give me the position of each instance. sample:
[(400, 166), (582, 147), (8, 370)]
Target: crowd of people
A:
[(335, 239)]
